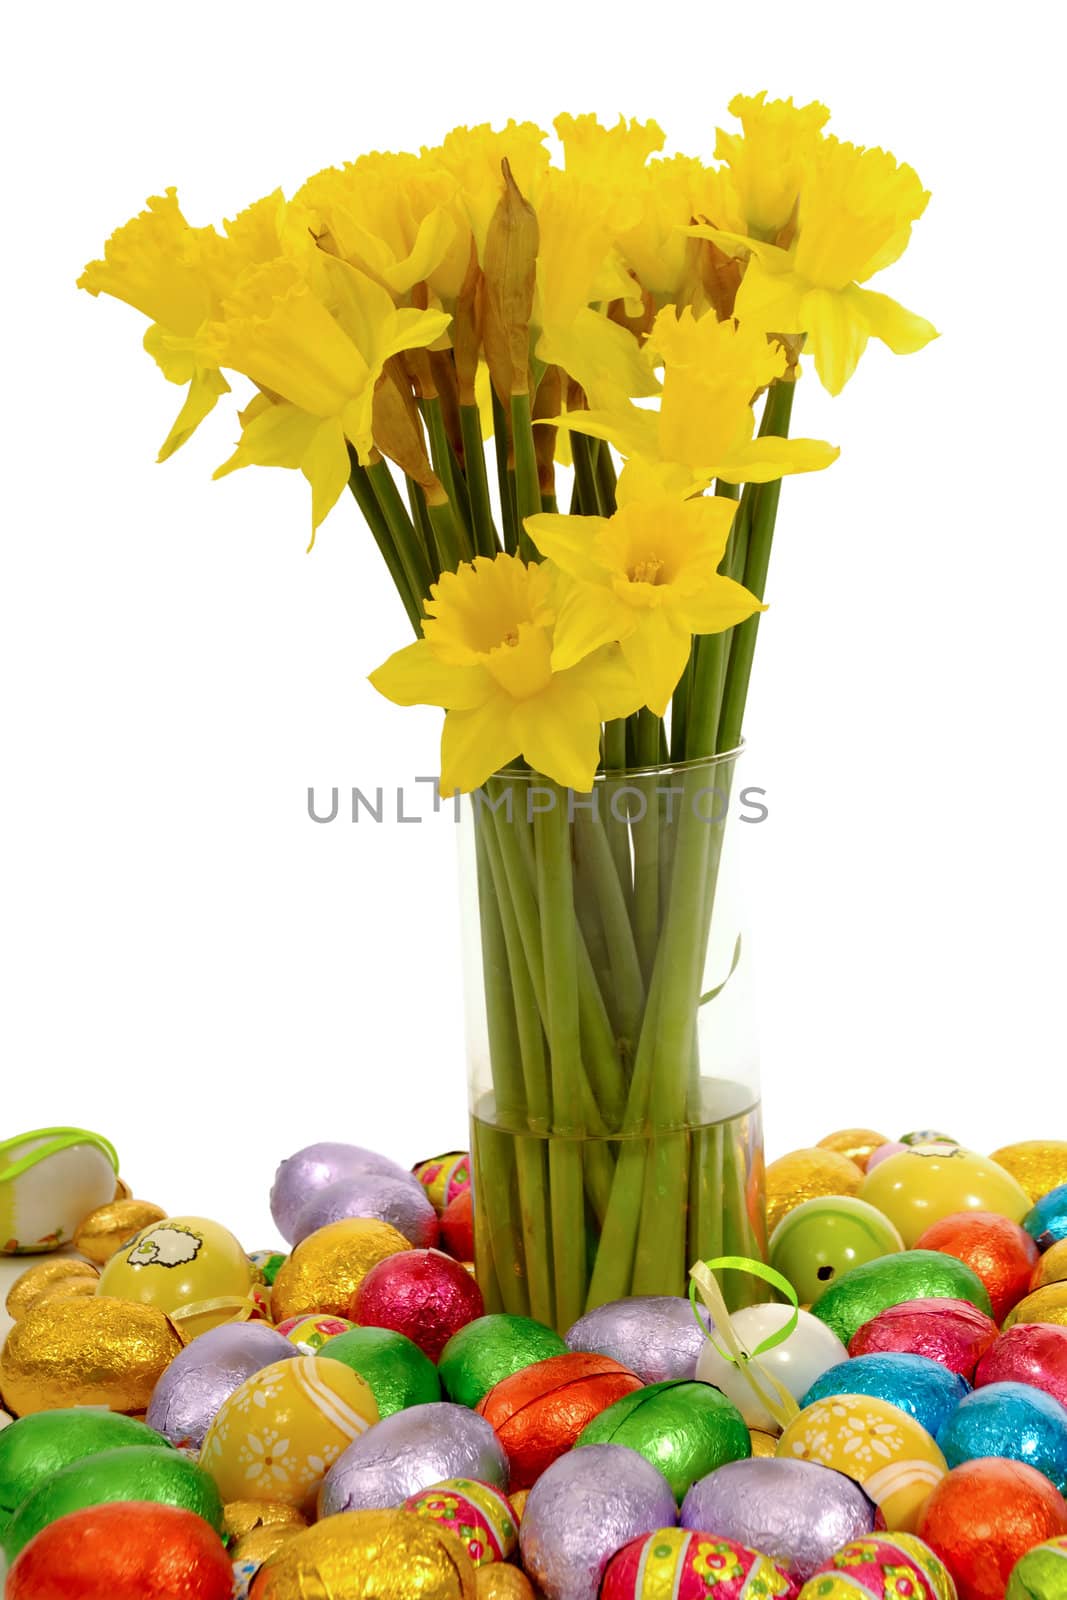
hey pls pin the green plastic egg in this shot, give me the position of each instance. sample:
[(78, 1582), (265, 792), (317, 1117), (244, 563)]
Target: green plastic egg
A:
[(37, 1445), (891, 1280), (683, 1427), (491, 1348), (163, 1476), (398, 1372), (822, 1239)]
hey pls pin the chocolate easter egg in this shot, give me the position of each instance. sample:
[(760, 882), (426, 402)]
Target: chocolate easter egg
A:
[(491, 1348), (889, 1280), (104, 1230), (38, 1445), (88, 1352), (325, 1270), (189, 1394), (805, 1174), (684, 1428), (388, 1554), (399, 1374)]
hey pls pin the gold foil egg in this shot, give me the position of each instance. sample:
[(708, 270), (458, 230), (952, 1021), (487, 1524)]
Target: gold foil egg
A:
[(1044, 1305), (263, 1543), (42, 1275), (95, 1352), (1052, 1267), (122, 1190), (325, 1270), (65, 1289), (101, 1233), (807, 1175), (500, 1581), (1039, 1165), (241, 1517), (764, 1445), (517, 1500), (391, 1555), (858, 1144)]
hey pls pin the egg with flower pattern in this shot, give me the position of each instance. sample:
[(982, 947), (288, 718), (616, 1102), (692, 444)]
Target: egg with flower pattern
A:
[(891, 1456)]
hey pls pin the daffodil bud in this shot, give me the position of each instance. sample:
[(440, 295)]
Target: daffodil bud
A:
[(719, 276), (397, 427), (509, 270)]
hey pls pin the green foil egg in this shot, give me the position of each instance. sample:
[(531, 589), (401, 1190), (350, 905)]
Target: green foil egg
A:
[(683, 1427), (44, 1442), (822, 1239), (491, 1348), (398, 1372), (891, 1280), (1041, 1574), (160, 1475)]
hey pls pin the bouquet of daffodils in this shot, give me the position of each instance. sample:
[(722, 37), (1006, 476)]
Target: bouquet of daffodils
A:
[(560, 396)]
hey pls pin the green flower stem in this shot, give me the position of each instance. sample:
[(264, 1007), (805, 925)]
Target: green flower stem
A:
[(409, 549), (645, 829), (449, 534), (363, 493), (605, 477), (548, 503), (420, 516), (585, 479), (680, 709), (443, 465), (710, 654), (615, 826), (486, 542), (527, 486), (627, 986), (505, 476)]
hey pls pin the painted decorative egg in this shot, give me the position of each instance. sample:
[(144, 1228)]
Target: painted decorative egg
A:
[(688, 1565), (820, 1240), (49, 1180), (928, 1136), (1046, 1222), (477, 1513), (1001, 1252), (123, 1552), (86, 1352), (1031, 1352), (684, 1428), (277, 1436), (444, 1177), (396, 1369), (538, 1413), (1013, 1421), (929, 1181), (269, 1263), (311, 1333), (1038, 1164), (198, 1380), (923, 1388), (952, 1332), (804, 1175), (1041, 1574), (810, 1350), (891, 1457), (890, 1280), (178, 1265), (883, 1566)]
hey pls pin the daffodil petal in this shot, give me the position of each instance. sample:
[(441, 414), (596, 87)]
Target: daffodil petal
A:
[(630, 429), (763, 460), (721, 605), (604, 358), (559, 733), (771, 301), (589, 617), (657, 653), (275, 437), (609, 678), (204, 392), (641, 479), (837, 336), (415, 676), (326, 467), (903, 331), (568, 541), (476, 743)]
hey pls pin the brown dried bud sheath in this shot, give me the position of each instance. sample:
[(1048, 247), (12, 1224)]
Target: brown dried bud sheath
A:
[(397, 427), (509, 271)]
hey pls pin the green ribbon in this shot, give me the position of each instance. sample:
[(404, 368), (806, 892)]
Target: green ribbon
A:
[(62, 1139), (780, 1403)]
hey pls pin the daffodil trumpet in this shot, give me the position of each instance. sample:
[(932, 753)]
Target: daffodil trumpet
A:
[(470, 338)]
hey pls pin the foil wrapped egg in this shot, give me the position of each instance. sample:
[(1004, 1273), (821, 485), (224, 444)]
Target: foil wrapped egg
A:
[(445, 1177), (423, 1294), (491, 1348), (688, 1565), (206, 1373), (104, 1230), (684, 1428), (411, 1451), (656, 1336), (804, 1175), (1041, 1574), (1037, 1164), (1031, 1352), (1051, 1267), (882, 1565), (325, 1270), (51, 1273), (538, 1413), (49, 1180), (889, 1280), (501, 1582), (457, 1226), (923, 1388), (886, 1452), (44, 1442), (1001, 1252), (86, 1352), (1013, 1421), (397, 1201), (243, 1517), (584, 1508), (315, 1168), (984, 1517), (479, 1515), (797, 1512), (858, 1144), (399, 1374), (123, 1552), (1046, 1220), (276, 1436), (953, 1332), (1044, 1305), (310, 1333), (388, 1554)]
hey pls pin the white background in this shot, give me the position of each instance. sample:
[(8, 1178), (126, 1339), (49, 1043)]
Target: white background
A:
[(193, 967)]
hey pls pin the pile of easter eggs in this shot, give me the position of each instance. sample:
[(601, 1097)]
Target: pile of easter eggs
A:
[(341, 1417)]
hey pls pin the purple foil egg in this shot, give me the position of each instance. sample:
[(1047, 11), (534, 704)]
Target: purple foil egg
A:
[(316, 1167), (372, 1194), (206, 1373), (410, 1451), (655, 1335), (584, 1508), (796, 1512)]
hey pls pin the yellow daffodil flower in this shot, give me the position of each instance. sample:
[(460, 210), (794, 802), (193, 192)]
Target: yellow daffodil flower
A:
[(486, 657), (703, 429), (474, 157), (647, 577), (767, 162), (855, 216), (318, 367), (672, 194)]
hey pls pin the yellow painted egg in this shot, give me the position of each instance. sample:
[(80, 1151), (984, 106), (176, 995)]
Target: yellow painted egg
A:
[(101, 1233), (1039, 1165), (806, 1175), (276, 1437), (44, 1275), (891, 1456), (49, 1180), (94, 1352), (325, 1270), (926, 1182), (190, 1267), (1048, 1304)]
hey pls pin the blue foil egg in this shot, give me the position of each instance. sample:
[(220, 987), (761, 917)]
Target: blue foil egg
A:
[(1011, 1420), (923, 1388), (1046, 1223)]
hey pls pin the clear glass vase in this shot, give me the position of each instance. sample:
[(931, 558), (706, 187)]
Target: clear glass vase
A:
[(615, 1119)]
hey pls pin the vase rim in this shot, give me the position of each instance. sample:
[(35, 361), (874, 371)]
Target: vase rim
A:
[(657, 769)]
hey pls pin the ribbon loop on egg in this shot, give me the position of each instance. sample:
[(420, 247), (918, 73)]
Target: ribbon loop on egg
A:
[(774, 1396)]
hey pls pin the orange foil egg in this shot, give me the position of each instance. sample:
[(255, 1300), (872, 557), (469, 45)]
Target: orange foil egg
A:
[(539, 1412)]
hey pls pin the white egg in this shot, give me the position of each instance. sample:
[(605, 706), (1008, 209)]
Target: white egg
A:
[(49, 1181), (810, 1350)]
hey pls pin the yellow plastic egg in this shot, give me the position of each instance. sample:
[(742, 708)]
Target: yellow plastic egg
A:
[(891, 1456), (190, 1267), (1044, 1305), (805, 1175), (922, 1184), (277, 1435), (1040, 1165)]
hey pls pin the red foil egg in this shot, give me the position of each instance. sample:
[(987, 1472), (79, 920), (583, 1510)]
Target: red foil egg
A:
[(127, 1550), (950, 1331), (457, 1226), (986, 1515), (539, 1412), (421, 1293), (998, 1250), (1031, 1352)]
